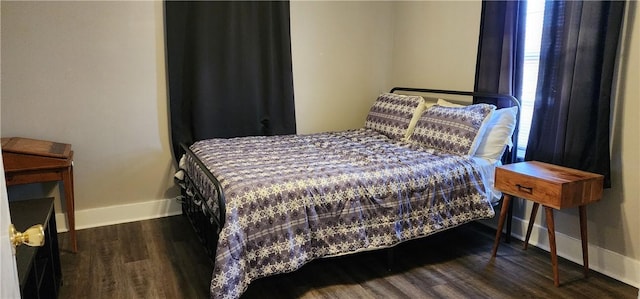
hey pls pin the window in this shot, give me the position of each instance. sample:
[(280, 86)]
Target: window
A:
[(533, 36)]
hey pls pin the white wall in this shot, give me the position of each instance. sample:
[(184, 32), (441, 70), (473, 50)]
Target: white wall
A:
[(91, 74), (436, 44), (341, 55)]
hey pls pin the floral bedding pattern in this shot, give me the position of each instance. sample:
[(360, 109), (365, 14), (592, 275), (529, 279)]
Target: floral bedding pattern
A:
[(294, 198)]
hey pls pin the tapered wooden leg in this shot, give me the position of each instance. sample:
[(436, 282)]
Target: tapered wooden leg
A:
[(503, 214), (552, 245), (532, 219), (583, 236), (67, 179)]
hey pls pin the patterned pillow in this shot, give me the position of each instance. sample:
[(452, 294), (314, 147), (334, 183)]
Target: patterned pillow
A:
[(454, 130), (393, 113)]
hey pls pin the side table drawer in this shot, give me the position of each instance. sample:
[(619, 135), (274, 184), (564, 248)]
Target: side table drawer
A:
[(523, 186)]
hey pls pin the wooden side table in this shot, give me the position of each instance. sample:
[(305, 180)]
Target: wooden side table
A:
[(553, 187), (36, 161)]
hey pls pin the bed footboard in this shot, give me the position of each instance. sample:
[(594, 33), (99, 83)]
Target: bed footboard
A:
[(206, 223), (206, 231)]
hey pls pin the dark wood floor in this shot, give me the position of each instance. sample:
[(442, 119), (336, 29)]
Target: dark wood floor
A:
[(162, 258)]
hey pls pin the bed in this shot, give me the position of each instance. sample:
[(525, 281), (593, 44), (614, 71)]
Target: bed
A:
[(264, 205)]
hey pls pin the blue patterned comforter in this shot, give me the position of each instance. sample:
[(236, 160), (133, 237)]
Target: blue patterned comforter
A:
[(291, 199)]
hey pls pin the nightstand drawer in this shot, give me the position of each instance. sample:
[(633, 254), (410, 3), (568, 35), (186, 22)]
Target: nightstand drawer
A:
[(527, 187)]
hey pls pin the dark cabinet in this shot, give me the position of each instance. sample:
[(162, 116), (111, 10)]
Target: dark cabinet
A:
[(39, 269)]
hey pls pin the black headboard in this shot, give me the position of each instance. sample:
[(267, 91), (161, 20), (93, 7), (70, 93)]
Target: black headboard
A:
[(499, 100)]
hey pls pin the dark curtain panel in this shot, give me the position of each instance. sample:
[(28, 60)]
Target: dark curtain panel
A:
[(570, 124), (501, 49), (229, 70)]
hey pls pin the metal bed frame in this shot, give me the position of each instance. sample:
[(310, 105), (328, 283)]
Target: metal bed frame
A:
[(208, 225)]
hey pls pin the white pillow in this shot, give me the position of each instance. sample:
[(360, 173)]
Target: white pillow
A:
[(445, 103), (416, 115), (500, 126)]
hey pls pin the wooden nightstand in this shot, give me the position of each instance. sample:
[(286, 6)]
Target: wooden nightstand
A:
[(555, 187)]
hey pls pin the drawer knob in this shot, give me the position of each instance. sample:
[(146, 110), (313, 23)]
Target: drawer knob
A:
[(525, 189)]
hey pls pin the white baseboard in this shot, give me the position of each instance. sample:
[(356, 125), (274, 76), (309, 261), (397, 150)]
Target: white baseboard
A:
[(601, 260), (120, 214)]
